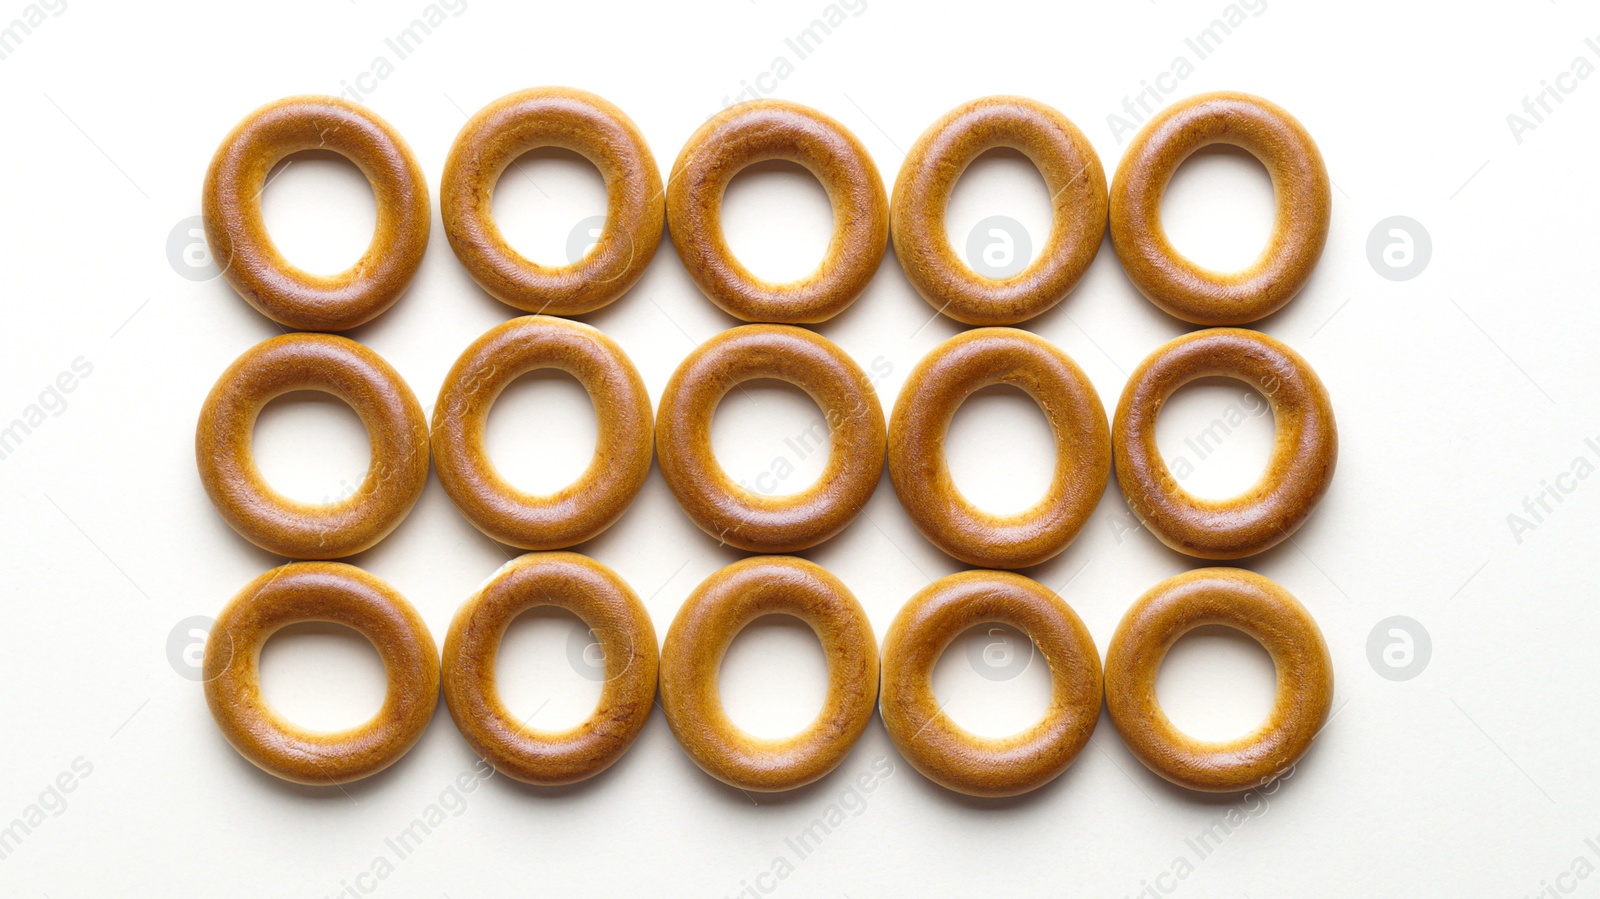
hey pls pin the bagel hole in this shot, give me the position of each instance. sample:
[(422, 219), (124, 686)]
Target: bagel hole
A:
[(320, 210), (774, 677), (1216, 435), (1219, 208), (322, 676), (542, 431), (770, 437), (992, 681), (999, 213), (550, 670), (311, 447), (1001, 450), (777, 220), (550, 206), (1216, 683)]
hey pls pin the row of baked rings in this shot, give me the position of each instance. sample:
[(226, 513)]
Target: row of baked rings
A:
[(638, 208), (1297, 475), (688, 665)]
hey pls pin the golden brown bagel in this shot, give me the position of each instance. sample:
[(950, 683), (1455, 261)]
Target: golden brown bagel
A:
[(1072, 173), (395, 424), (581, 510), (759, 131), (1299, 180), (1247, 602), (729, 512), (1298, 473), (699, 637), (939, 384), (341, 594), (237, 233), (618, 621), (942, 750), (571, 120)]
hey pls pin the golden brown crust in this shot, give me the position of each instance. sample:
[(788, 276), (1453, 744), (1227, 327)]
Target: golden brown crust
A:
[(1299, 180), (692, 658), (942, 750), (1072, 173), (396, 474), (939, 384), (618, 621), (341, 594), (1247, 602), (729, 512), (572, 120), (581, 510), (237, 233), (1305, 448), (759, 131)]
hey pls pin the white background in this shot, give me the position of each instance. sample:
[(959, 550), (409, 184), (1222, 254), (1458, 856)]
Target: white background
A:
[(1458, 394)]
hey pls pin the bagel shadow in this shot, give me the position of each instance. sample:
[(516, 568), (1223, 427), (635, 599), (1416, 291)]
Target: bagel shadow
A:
[(1146, 778), (1043, 793), (840, 321), (576, 791), (354, 791), (1060, 571), (267, 559), (738, 797), (1271, 556)]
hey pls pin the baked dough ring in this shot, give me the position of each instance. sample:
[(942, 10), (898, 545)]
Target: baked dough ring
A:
[(700, 636), (1247, 602), (614, 615), (341, 594), (759, 131), (581, 510), (1299, 179), (1072, 173), (942, 750), (395, 424), (939, 384), (572, 120), (729, 512), (1304, 450), (237, 233)]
